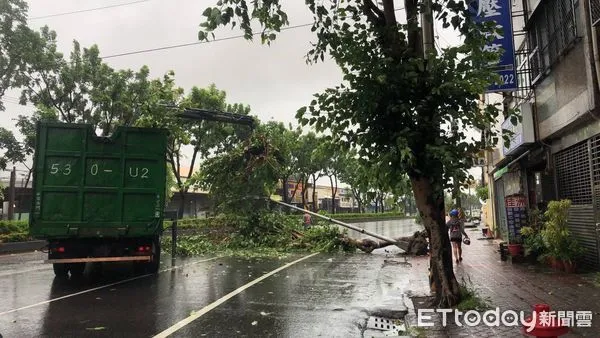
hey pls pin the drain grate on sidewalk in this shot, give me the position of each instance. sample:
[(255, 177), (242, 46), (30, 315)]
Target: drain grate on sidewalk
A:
[(393, 326)]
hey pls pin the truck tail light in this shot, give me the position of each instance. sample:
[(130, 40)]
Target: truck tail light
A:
[(60, 249)]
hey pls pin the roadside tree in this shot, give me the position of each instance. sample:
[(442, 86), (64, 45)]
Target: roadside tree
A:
[(396, 102)]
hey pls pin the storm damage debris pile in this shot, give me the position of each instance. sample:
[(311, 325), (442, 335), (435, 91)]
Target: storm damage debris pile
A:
[(274, 233)]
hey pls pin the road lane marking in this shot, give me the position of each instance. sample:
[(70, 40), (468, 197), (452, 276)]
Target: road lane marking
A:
[(105, 286), (225, 298)]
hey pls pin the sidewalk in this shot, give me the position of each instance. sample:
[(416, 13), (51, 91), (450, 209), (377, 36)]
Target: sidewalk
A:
[(511, 286)]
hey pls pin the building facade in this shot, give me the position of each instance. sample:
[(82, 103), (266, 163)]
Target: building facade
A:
[(554, 151)]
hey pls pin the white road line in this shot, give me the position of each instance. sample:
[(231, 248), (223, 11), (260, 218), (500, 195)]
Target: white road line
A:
[(225, 298), (104, 286)]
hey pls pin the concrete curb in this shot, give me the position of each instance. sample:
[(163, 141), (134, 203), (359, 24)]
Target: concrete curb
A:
[(373, 219), (6, 248), (410, 320)]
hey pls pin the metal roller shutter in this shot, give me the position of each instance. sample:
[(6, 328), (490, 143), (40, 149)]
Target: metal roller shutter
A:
[(582, 225), (595, 12), (574, 181), (573, 174)]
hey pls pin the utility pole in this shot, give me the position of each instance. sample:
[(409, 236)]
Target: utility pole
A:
[(427, 27), (428, 47), (11, 194)]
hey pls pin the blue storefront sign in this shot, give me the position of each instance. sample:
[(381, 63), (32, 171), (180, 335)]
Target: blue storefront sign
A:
[(499, 11)]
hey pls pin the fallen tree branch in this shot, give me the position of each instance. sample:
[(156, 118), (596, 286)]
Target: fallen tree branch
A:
[(415, 245)]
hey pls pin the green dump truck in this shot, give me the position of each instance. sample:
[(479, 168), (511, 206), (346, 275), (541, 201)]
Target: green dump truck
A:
[(99, 199)]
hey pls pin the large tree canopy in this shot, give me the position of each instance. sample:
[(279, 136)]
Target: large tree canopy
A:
[(243, 179), (13, 32), (396, 102)]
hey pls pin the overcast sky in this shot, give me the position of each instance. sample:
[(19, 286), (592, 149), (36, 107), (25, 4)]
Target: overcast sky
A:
[(275, 81)]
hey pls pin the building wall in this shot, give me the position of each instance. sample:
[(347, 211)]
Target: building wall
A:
[(564, 88), (563, 96), (196, 204)]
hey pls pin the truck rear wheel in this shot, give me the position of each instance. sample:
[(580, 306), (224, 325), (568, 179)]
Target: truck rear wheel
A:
[(76, 269), (61, 270), (155, 263)]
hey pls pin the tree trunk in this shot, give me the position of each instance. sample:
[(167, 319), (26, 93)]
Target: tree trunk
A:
[(430, 203), (181, 203), (304, 183), (295, 190), (285, 190), (415, 245), (333, 193), (356, 194), (314, 194), (29, 172)]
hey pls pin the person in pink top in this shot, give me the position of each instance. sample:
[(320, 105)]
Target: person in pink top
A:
[(306, 220), (457, 230)]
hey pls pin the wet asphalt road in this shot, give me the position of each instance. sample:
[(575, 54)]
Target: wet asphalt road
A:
[(324, 295)]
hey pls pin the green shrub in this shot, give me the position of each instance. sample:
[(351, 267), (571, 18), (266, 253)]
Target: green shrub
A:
[(7, 227), (189, 245), (555, 234), (14, 231), (532, 234), (14, 237), (264, 229), (325, 238), (262, 234)]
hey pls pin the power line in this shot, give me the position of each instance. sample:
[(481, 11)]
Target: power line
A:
[(87, 10), (194, 43), (16, 101), (142, 51)]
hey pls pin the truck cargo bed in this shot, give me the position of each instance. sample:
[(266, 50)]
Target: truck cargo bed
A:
[(87, 186)]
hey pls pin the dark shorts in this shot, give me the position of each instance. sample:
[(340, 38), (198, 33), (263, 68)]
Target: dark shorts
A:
[(458, 240)]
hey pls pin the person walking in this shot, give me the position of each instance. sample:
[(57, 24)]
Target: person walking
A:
[(457, 230), (306, 220)]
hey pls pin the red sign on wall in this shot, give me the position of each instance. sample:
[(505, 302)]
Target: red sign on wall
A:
[(516, 201)]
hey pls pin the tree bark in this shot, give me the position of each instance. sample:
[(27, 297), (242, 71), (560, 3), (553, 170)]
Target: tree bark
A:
[(285, 190), (295, 190), (181, 203), (304, 188), (333, 193), (415, 245), (314, 194), (29, 172), (430, 203)]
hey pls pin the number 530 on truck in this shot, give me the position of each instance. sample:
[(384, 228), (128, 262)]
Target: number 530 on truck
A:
[(99, 199)]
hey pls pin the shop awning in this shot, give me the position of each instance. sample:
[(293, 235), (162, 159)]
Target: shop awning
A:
[(499, 171)]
